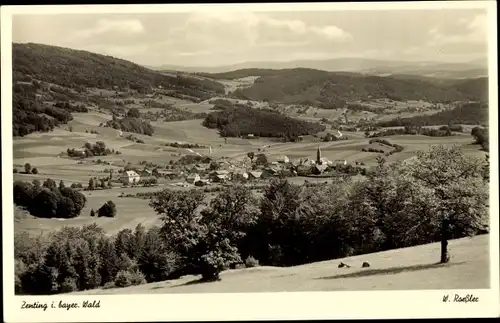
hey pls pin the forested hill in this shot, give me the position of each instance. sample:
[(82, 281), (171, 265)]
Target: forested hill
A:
[(46, 78), (77, 69), (321, 88)]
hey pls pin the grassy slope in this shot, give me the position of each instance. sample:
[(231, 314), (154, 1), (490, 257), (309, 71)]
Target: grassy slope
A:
[(402, 269)]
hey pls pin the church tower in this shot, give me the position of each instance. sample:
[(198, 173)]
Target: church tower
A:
[(318, 156)]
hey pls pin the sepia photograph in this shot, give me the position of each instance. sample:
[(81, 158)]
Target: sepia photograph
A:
[(249, 149)]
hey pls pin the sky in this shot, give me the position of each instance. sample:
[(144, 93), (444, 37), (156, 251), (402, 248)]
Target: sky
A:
[(209, 38)]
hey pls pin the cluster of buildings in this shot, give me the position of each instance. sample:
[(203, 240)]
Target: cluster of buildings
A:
[(202, 174)]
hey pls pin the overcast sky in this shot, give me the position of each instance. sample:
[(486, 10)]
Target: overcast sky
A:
[(211, 39)]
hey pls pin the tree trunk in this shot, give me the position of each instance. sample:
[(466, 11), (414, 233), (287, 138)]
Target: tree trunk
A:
[(444, 251), (444, 241)]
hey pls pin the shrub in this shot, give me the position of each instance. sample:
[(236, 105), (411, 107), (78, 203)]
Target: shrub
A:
[(109, 285), (129, 278), (69, 285), (108, 209), (34, 170), (251, 262)]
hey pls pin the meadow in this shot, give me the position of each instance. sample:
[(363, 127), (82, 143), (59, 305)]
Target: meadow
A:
[(412, 268)]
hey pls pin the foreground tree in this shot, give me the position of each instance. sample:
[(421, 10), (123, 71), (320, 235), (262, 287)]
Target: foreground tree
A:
[(225, 223), (460, 194)]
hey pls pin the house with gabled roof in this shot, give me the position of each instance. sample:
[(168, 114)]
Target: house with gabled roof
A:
[(129, 177)]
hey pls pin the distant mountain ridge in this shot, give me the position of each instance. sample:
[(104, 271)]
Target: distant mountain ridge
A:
[(473, 69)]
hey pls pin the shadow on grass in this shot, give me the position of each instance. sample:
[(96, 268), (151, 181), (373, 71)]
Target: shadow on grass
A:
[(391, 270), (157, 287), (196, 282)]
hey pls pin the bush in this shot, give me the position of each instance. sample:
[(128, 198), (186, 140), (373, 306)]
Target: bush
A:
[(108, 209), (251, 262), (69, 285), (129, 278)]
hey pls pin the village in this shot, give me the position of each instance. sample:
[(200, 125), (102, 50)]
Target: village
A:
[(252, 168)]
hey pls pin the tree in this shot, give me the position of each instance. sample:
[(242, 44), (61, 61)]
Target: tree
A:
[(251, 155), (459, 190), (27, 168), (91, 184), (481, 137), (181, 223), (108, 209), (92, 212), (50, 184), (36, 183), (224, 224), (214, 165), (61, 185), (133, 113), (156, 259), (261, 159)]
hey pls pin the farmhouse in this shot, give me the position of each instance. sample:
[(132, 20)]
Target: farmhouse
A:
[(268, 172), (129, 176), (240, 175), (192, 178), (304, 170), (166, 174), (254, 175), (219, 176), (319, 169), (146, 172), (282, 159)]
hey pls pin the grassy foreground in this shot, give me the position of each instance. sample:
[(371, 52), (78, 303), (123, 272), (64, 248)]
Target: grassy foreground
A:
[(401, 269)]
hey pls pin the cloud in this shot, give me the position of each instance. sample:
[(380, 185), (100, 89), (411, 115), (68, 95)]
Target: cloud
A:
[(103, 26), (252, 29), (471, 31)]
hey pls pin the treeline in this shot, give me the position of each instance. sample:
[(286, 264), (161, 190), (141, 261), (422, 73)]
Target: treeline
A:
[(48, 200), (130, 124), (443, 131), (240, 121), (397, 206), (184, 145), (397, 148), (468, 113)]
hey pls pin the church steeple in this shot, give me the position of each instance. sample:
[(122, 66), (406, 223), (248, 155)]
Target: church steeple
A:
[(318, 156)]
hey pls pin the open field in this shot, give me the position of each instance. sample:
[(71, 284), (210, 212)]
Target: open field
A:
[(130, 212), (402, 269)]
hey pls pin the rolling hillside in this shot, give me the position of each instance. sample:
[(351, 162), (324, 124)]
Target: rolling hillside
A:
[(401, 269), (472, 69), (44, 76), (321, 88), (76, 68)]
